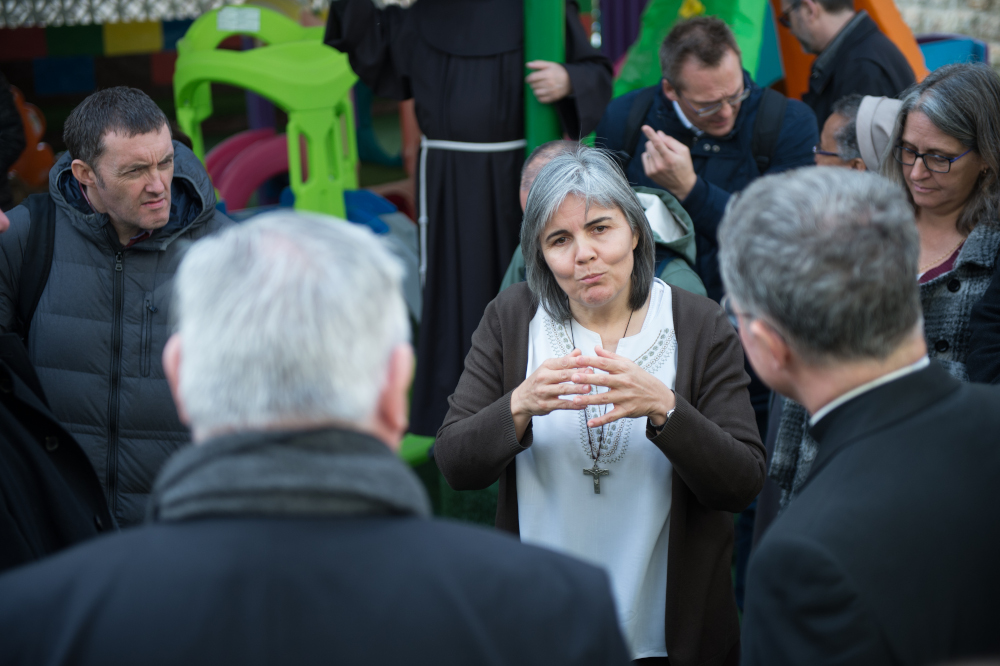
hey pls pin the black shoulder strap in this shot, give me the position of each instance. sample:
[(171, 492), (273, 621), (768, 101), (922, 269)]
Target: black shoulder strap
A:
[(636, 114), (767, 127), (37, 260)]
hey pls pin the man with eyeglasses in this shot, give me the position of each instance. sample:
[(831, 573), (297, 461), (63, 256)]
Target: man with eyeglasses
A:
[(706, 131), (838, 141), (853, 56)]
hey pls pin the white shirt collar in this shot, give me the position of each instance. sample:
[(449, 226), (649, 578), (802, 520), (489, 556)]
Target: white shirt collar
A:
[(685, 121), (864, 388)]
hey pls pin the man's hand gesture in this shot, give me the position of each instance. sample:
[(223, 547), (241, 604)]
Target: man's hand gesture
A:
[(667, 162)]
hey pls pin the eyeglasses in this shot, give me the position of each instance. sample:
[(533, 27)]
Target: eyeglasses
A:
[(712, 109), (785, 18), (734, 316), (731, 313), (827, 153), (935, 163)]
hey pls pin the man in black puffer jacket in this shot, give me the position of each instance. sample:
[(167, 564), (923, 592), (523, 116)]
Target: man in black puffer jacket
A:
[(128, 200)]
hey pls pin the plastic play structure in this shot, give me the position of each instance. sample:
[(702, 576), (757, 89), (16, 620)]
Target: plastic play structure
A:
[(308, 80)]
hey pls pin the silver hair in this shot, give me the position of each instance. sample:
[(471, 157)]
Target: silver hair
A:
[(829, 257), (594, 176), (290, 316), (963, 101)]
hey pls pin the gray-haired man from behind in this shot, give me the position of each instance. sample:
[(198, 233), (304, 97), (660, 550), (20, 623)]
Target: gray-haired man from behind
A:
[(291, 533), (883, 557)]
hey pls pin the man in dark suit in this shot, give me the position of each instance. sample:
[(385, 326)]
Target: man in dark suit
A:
[(888, 555), (853, 57), (291, 533)]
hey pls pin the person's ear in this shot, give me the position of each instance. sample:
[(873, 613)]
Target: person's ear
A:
[(670, 91), (857, 164), (392, 411), (83, 173), (769, 354), (172, 369)]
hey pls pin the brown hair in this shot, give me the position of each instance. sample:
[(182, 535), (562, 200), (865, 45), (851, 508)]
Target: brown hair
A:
[(706, 38)]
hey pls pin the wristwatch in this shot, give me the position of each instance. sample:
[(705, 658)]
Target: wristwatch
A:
[(658, 429)]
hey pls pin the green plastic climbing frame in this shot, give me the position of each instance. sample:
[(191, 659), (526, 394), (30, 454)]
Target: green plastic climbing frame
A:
[(544, 39), (310, 81)]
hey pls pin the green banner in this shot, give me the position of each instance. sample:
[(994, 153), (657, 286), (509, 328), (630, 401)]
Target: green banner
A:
[(748, 20)]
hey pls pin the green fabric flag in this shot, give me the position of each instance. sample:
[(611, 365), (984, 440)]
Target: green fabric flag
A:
[(746, 18)]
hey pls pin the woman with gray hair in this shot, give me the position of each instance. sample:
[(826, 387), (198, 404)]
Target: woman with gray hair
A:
[(614, 411), (945, 152)]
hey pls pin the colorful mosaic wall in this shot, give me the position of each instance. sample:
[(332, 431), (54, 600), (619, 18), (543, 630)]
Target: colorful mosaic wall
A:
[(75, 60)]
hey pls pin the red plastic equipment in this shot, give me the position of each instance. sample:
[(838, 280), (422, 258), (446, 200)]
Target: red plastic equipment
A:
[(254, 166), (220, 157)]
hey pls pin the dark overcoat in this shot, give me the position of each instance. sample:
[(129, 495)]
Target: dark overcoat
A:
[(888, 555)]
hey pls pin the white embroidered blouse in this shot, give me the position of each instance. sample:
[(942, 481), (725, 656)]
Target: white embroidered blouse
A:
[(625, 528)]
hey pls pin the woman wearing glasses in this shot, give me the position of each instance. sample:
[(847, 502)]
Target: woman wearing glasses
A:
[(945, 150)]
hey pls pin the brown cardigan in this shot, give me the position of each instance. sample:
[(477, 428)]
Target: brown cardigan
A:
[(711, 440)]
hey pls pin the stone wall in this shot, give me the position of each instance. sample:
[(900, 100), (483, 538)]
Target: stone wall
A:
[(976, 18)]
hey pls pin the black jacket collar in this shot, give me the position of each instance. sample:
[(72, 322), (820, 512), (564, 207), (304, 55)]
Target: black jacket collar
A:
[(878, 409)]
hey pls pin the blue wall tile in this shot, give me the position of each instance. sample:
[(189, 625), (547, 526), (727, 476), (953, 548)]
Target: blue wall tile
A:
[(64, 76)]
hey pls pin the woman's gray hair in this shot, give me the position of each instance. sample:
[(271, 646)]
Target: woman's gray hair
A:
[(829, 257), (594, 176), (288, 317), (963, 101)]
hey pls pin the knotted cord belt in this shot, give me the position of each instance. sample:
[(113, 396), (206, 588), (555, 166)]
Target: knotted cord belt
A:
[(461, 147)]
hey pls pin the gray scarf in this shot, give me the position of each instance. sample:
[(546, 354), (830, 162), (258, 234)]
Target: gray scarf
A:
[(286, 473), (794, 452)]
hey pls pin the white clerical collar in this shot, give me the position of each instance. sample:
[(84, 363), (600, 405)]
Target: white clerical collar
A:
[(864, 388), (685, 121)]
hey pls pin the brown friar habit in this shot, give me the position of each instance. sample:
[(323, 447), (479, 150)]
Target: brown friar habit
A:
[(463, 64)]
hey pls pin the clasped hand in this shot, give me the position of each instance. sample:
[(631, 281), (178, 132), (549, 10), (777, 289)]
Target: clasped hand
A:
[(566, 383)]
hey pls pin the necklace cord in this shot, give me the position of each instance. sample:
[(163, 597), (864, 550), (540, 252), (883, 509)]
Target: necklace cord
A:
[(600, 442)]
